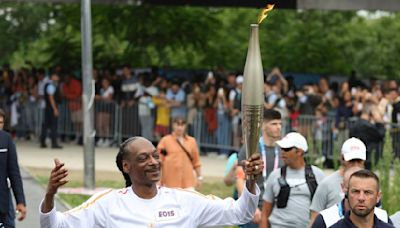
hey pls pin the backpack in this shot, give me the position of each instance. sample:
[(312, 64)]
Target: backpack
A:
[(284, 192)]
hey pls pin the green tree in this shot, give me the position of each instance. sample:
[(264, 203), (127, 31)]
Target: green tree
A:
[(323, 42)]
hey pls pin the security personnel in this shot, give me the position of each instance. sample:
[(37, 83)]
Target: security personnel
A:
[(357, 209), (51, 113), (9, 169)]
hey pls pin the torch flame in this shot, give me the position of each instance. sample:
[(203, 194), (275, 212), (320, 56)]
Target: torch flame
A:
[(264, 12)]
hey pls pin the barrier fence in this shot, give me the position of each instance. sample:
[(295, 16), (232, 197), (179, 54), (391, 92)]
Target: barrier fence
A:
[(114, 123)]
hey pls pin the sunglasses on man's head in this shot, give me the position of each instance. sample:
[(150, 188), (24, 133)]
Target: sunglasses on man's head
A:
[(288, 149)]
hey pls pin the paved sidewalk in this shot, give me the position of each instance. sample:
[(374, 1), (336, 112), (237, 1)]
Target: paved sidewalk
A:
[(34, 194), (31, 156)]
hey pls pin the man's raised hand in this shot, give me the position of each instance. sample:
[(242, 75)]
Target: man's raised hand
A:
[(57, 177), (56, 180)]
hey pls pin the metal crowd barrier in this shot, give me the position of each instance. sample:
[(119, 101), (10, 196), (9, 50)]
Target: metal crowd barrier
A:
[(116, 123)]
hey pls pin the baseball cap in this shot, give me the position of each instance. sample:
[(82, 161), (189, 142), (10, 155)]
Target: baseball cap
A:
[(239, 79), (293, 139), (354, 148)]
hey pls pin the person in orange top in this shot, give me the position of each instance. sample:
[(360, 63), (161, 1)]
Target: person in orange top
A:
[(181, 167)]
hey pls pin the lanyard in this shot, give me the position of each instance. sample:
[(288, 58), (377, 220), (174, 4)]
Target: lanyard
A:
[(264, 157), (340, 208)]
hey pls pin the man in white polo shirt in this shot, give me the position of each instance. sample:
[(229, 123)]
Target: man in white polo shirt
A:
[(328, 193)]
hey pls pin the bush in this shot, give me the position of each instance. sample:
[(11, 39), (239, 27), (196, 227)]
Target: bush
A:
[(388, 169)]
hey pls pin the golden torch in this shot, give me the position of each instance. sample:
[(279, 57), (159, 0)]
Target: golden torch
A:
[(253, 90)]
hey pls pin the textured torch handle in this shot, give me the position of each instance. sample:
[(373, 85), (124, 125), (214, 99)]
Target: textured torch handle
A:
[(251, 125)]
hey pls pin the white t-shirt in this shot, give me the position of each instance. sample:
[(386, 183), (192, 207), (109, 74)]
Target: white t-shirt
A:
[(107, 92), (169, 208), (297, 212), (328, 193)]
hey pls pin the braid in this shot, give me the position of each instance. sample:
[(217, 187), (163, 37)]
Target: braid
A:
[(121, 156)]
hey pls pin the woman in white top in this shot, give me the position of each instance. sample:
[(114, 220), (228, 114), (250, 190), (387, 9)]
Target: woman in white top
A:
[(105, 106)]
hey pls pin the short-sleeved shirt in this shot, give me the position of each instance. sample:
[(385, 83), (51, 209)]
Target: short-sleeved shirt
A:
[(51, 89), (297, 212), (327, 193), (180, 96), (107, 92), (177, 168)]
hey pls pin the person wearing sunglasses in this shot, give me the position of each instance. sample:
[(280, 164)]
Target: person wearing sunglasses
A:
[(289, 190)]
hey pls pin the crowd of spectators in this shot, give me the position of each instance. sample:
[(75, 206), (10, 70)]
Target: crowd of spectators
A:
[(150, 99)]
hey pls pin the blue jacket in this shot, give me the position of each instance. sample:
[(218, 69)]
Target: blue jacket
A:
[(9, 169), (346, 222)]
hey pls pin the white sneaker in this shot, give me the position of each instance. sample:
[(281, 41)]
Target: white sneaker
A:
[(107, 143), (100, 143)]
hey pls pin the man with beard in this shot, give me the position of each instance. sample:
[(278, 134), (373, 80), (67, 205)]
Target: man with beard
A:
[(144, 204), (328, 193), (363, 194), (332, 215)]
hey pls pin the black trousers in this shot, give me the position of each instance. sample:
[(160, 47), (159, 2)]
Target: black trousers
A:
[(49, 123), (2, 219), (5, 222)]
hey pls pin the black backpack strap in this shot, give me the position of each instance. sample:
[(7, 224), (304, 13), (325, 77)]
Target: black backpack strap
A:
[(284, 192), (311, 180), (283, 172)]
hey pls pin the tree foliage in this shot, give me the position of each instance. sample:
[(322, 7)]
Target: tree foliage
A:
[(325, 42)]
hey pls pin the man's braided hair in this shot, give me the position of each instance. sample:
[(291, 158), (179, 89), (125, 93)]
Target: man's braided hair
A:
[(122, 153)]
